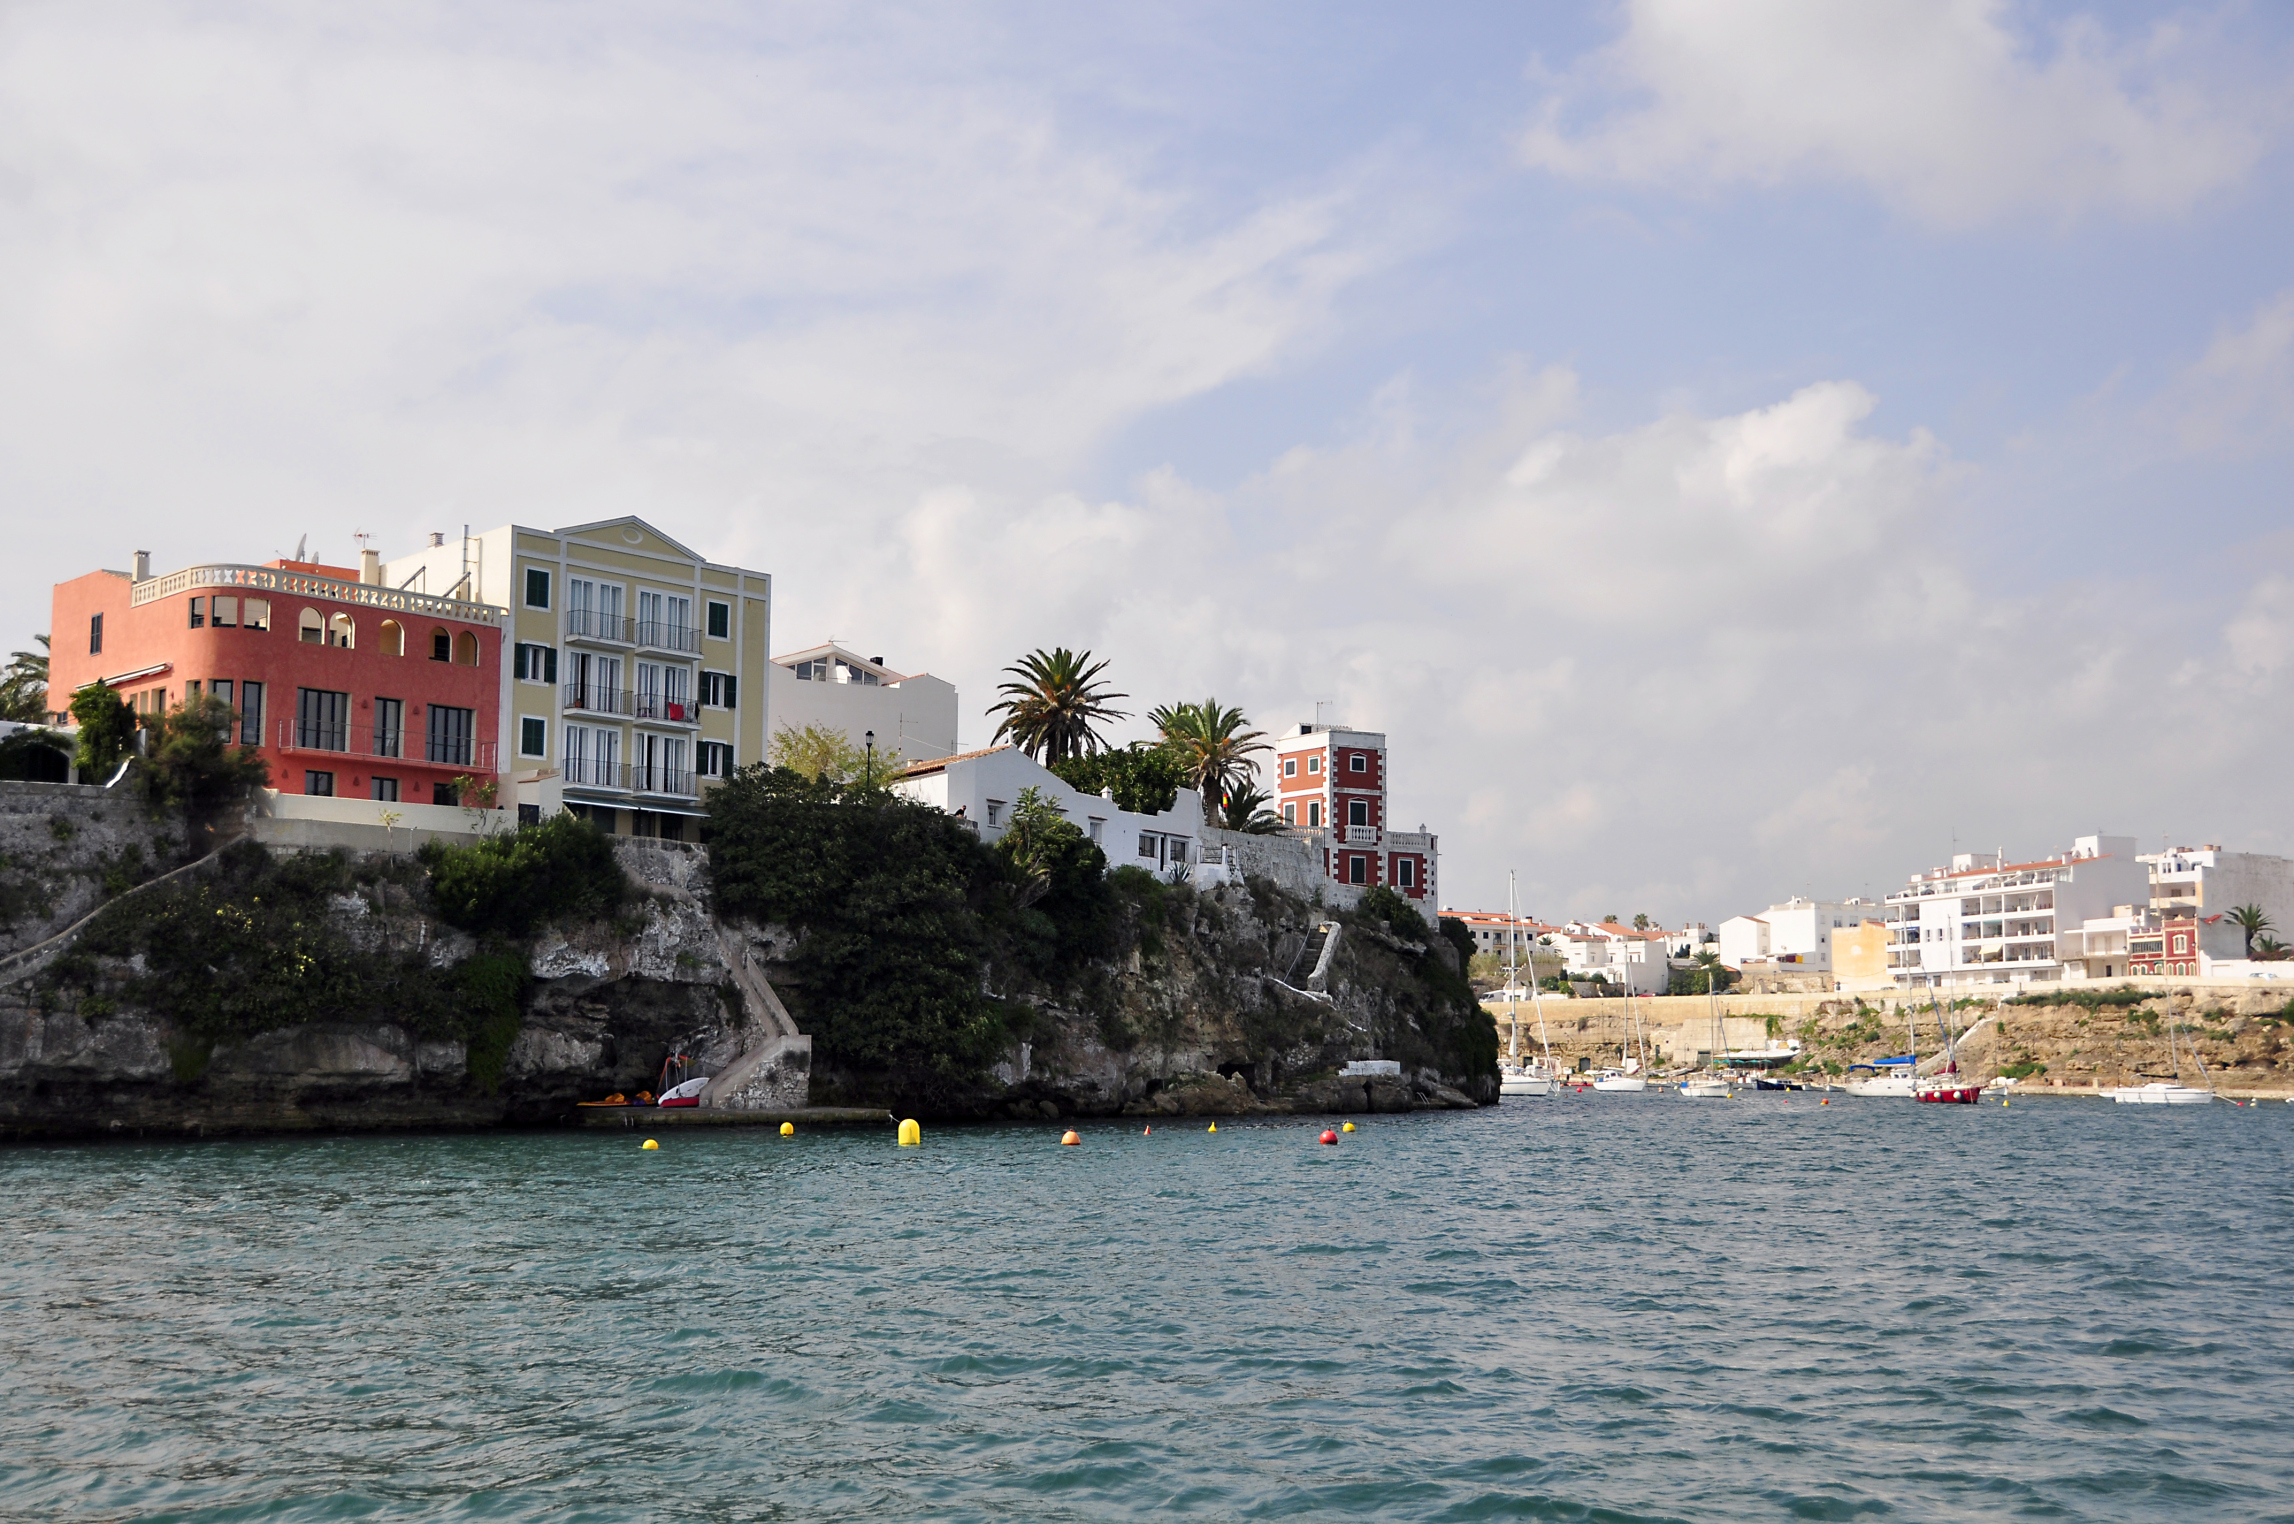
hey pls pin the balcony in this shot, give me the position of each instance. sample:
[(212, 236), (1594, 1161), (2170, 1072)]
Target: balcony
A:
[(622, 778), (1361, 836), (272, 579), (594, 698), (593, 628), (365, 742), (659, 635)]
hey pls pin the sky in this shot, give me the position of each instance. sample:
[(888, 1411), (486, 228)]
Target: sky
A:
[(1732, 450)]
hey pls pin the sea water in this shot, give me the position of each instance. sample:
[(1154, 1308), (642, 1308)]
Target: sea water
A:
[(1586, 1307)]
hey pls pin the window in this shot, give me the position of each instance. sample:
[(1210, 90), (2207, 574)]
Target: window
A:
[(1314, 814), (1096, 829), (191, 692), (1358, 812), (537, 588), (223, 613), (221, 688), (320, 784), (1290, 767), (95, 634), (389, 727), (199, 613), (322, 720), (258, 611), (310, 629), (1314, 764), (450, 733), (444, 793), (465, 650), (386, 790), (533, 736), (676, 700), (716, 760), (1358, 763), (1148, 841), (391, 638), (1357, 870), (535, 664), (250, 714), (1290, 814), (341, 633), (720, 690), (995, 812), (1405, 873), (441, 646), (720, 620)]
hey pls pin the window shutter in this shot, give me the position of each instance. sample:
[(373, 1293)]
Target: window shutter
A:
[(549, 664), (518, 661), (732, 691)]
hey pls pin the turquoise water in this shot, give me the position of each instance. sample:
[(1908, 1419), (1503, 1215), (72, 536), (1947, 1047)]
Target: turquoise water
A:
[(1596, 1307)]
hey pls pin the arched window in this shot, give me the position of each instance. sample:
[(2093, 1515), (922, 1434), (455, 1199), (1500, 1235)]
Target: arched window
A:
[(392, 638), (341, 632), (441, 646), (465, 650), (310, 628)]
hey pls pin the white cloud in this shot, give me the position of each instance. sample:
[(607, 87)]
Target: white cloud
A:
[(2240, 393), (1937, 106)]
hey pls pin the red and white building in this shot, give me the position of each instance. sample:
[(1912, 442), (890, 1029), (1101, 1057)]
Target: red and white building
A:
[(1330, 789), (347, 687)]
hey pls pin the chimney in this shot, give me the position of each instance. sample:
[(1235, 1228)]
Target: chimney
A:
[(370, 567), (143, 566), (876, 661), (437, 537)]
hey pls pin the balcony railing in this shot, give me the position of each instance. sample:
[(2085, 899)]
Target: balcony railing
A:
[(661, 635), (1361, 836), (628, 779), (270, 579), (595, 698), (588, 624), (387, 744)]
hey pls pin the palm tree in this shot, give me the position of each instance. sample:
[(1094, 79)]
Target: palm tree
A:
[(1050, 710), (1246, 811), (2251, 920), (1212, 745), (24, 685)]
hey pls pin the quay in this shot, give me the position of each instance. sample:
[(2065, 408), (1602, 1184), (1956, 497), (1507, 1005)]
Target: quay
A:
[(695, 1116)]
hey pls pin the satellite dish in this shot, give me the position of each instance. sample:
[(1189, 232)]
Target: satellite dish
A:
[(300, 546)]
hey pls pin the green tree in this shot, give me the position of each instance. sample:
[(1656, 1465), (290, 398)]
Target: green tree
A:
[(507, 885), (1144, 777), (2252, 920), (1213, 744), (1642, 922), (822, 751), (1051, 711), (193, 768), (24, 685), (1035, 842), (1247, 811), (107, 732)]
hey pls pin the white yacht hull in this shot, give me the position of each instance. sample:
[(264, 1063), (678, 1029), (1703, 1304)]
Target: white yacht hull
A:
[(2163, 1094), (1705, 1089), (1527, 1084), (1898, 1086), (1631, 1084)]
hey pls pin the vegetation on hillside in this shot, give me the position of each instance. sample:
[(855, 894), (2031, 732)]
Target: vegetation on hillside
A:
[(1054, 707), (107, 732), (823, 751), (192, 768), (24, 685), (1145, 777), (508, 885)]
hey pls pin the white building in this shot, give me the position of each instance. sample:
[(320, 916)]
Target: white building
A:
[(982, 786), (2210, 880), (1796, 932), (911, 714), (1632, 959), (1982, 921)]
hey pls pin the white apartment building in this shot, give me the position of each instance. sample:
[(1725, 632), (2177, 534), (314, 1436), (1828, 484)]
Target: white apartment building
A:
[(1984, 921), (2208, 879), (911, 715), (637, 668), (1492, 928), (1799, 931), (1633, 959), (982, 787)]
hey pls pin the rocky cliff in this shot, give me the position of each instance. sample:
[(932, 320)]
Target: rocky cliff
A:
[(327, 992)]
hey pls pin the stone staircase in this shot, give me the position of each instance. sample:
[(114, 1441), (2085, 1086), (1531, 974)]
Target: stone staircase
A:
[(774, 1072)]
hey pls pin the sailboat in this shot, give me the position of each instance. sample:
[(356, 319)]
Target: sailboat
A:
[(1890, 1077), (1513, 1076), (1947, 1086), (1633, 1076), (1713, 1084), (2163, 1092)]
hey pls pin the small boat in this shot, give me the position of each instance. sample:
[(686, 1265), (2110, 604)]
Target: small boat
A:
[(1618, 1079), (1886, 1077), (2160, 1093), (1946, 1087), (1705, 1087), (1517, 1079), (1513, 1076)]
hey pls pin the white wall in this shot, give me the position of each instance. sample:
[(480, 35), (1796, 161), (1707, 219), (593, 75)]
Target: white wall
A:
[(997, 777), (915, 716)]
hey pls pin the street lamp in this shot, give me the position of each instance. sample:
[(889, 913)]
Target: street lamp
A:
[(870, 737)]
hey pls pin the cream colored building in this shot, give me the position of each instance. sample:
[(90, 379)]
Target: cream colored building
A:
[(637, 673), (911, 715)]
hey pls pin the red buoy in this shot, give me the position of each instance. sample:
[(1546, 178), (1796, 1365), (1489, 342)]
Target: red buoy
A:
[(1328, 1136)]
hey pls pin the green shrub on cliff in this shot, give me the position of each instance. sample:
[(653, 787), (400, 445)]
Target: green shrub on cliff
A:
[(507, 885), (1145, 776)]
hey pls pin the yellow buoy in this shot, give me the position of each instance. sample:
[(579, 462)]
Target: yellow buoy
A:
[(1349, 1127), (910, 1134), (649, 1143), (1214, 1127), (788, 1129)]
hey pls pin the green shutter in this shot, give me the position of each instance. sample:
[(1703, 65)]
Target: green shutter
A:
[(549, 664), (732, 691)]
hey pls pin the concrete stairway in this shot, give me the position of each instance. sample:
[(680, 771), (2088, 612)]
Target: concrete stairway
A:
[(774, 1070)]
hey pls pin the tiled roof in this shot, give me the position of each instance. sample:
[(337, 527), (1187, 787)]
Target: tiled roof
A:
[(938, 764)]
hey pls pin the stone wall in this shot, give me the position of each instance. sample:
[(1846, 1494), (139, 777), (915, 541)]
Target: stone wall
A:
[(58, 843), (1291, 865)]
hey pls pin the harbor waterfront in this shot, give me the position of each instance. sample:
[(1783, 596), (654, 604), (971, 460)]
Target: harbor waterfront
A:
[(1625, 1307)]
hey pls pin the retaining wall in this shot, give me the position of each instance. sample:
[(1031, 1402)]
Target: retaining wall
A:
[(1291, 864)]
